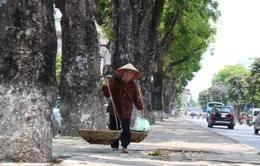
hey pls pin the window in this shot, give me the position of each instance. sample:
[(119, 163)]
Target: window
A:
[(224, 109), (256, 113)]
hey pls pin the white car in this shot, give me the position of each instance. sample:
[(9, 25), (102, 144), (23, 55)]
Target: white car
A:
[(251, 115), (257, 124), (56, 114)]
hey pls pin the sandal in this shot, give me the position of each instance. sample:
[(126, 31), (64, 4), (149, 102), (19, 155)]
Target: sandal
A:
[(124, 150), (115, 149)]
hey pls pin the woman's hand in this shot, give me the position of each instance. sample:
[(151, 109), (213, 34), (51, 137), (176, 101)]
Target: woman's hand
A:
[(108, 77)]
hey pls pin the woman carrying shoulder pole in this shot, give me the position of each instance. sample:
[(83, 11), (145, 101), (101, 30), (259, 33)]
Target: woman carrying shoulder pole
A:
[(125, 94)]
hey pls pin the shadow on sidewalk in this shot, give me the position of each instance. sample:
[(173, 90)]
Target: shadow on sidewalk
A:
[(169, 141)]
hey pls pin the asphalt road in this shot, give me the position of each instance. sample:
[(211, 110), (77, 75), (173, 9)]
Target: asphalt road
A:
[(241, 133)]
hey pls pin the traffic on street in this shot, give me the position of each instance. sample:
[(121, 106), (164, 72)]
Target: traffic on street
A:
[(242, 133)]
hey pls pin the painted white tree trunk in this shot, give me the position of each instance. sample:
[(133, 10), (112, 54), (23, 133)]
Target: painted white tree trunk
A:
[(27, 80), (80, 90)]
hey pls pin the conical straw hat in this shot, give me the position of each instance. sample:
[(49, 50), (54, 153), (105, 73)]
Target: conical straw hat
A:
[(128, 66)]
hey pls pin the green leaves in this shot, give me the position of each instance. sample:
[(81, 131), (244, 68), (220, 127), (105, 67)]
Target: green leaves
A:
[(58, 67), (243, 86), (192, 37), (253, 90), (223, 76), (182, 42), (105, 7), (203, 99), (237, 90)]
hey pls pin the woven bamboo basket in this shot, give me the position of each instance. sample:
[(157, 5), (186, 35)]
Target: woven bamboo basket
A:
[(138, 136), (104, 137)]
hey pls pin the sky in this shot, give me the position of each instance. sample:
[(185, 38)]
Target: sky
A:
[(237, 40)]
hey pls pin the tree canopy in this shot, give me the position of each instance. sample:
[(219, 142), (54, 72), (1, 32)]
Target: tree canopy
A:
[(179, 33), (223, 76), (242, 86), (253, 90), (192, 37), (237, 90)]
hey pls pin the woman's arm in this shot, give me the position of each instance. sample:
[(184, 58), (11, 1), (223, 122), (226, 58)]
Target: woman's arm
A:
[(137, 99)]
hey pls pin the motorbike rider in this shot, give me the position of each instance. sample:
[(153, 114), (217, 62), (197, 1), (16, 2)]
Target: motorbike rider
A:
[(241, 118)]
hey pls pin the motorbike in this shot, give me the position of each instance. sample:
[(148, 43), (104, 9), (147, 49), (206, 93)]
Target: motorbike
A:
[(192, 115), (249, 122), (240, 119)]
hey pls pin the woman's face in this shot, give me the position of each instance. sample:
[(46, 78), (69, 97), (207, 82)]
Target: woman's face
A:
[(128, 75)]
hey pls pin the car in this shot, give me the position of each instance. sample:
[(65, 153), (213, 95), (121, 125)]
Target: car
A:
[(221, 116), (193, 114), (57, 115), (251, 115), (209, 107), (257, 124)]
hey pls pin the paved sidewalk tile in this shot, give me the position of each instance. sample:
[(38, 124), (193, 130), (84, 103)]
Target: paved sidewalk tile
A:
[(170, 142)]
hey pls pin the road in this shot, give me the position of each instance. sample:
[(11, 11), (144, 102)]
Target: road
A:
[(241, 133)]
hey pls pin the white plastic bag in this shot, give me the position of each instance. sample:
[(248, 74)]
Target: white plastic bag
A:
[(141, 125)]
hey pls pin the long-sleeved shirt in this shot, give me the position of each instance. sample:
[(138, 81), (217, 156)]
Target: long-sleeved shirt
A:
[(124, 96)]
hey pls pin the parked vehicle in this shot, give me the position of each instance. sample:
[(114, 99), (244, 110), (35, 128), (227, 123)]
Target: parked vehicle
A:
[(56, 114), (222, 116), (249, 122), (209, 107), (193, 114), (257, 124), (251, 115)]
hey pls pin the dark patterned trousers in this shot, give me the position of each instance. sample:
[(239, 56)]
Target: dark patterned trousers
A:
[(125, 136)]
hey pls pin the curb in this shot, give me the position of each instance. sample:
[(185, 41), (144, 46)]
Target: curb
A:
[(224, 161), (231, 139)]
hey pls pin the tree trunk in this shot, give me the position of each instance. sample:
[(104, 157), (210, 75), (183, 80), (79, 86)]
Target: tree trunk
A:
[(157, 87), (27, 80), (169, 94), (80, 101), (157, 98), (136, 40)]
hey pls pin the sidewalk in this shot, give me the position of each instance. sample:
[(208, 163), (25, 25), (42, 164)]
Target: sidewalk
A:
[(170, 142)]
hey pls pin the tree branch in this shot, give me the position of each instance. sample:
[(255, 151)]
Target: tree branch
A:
[(157, 15), (179, 61), (176, 20), (171, 65), (168, 37), (95, 12), (184, 59)]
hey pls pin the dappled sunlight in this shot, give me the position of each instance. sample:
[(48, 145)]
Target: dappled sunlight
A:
[(170, 142), (221, 147), (142, 159), (121, 160), (190, 133)]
